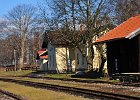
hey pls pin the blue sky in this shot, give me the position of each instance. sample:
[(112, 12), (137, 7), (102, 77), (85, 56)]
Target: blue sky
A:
[(7, 5)]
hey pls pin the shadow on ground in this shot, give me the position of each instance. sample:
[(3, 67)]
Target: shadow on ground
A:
[(88, 74)]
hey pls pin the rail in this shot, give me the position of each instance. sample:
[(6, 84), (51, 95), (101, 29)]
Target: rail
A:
[(76, 91), (14, 96)]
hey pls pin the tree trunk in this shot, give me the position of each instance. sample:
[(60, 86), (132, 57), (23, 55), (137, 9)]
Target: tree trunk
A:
[(73, 16), (102, 57), (103, 60), (22, 50), (90, 57), (88, 13), (67, 60)]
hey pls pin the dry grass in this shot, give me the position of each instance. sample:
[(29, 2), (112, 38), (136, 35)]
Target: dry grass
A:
[(93, 86), (37, 94), (68, 76), (14, 73)]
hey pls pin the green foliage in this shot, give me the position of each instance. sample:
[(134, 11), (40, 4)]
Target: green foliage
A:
[(58, 75)]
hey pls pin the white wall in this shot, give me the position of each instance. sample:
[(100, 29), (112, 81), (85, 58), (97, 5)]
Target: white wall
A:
[(81, 62), (43, 64), (51, 58)]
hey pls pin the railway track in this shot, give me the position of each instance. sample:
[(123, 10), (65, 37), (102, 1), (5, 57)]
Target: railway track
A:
[(73, 90), (137, 84), (95, 81), (11, 95)]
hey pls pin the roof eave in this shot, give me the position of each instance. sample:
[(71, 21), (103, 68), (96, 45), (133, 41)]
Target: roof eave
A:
[(110, 40), (133, 34), (43, 52)]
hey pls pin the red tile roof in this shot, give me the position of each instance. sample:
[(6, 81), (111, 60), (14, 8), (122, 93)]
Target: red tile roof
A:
[(41, 54), (41, 51), (44, 57), (123, 30)]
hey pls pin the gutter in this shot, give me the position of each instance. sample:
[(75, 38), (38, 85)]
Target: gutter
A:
[(133, 34)]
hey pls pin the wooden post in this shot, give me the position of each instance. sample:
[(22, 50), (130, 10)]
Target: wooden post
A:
[(15, 60)]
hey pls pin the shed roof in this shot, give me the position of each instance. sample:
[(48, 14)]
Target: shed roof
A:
[(128, 29), (61, 37), (42, 53)]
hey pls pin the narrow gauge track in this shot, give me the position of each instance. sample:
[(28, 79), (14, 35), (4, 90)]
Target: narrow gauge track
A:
[(88, 81), (93, 81), (76, 91), (11, 95)]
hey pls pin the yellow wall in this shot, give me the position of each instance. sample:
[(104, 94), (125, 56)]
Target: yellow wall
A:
[(61, 58)]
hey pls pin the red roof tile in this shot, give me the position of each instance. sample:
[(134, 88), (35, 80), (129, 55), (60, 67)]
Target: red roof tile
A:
[(41, 51), (123, 30), (44, 57), (41, 54)]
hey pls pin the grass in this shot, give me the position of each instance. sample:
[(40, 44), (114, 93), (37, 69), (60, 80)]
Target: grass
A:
[(67, 76), (58, 75), (64, 83), (35, 93), (14, 73)]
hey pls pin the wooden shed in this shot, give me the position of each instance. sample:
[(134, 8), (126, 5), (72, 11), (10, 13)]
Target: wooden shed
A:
[(123, 47)]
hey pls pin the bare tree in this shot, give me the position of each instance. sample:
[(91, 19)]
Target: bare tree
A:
[(125, 9), (3, 26), (21, 19), (6, 51), (93, 14)]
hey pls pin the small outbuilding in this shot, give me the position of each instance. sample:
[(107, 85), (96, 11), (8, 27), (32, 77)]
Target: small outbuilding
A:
[(62, 56), (42, 59), (123, 47)]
